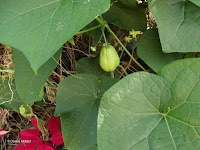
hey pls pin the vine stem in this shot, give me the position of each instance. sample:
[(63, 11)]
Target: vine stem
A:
[(39, 124), (90, 29), (104, 36), (103, 23), (99, 41), (122, 52)]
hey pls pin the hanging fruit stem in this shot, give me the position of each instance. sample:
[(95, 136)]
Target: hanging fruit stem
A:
[(104, 24)]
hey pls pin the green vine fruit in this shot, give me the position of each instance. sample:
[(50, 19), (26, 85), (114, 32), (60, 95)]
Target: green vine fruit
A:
[(109, 58)]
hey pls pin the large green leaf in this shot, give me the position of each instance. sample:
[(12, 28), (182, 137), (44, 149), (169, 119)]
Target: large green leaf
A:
[(184, 77), (90, 66), (38, 28), (178, 24), (28, 84), (77, 104), (9, 98), (150, 51), (144, 111), (127, 15)]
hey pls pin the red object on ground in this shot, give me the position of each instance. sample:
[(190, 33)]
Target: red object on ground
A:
[(33, 139), (46, 146), (57, 138), (54, 124)]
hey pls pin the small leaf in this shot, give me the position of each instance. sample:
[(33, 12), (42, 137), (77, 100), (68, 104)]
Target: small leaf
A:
[(178, 24), (71, 41), (26, 110)]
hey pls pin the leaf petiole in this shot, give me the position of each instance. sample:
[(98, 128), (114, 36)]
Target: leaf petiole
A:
[(90, 29), (53, 85)]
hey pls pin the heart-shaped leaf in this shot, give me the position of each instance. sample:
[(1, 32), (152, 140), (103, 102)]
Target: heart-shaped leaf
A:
[(127, 15), (178, 24), (39, 28), (149, 50), (145, 111), (77, 103)]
